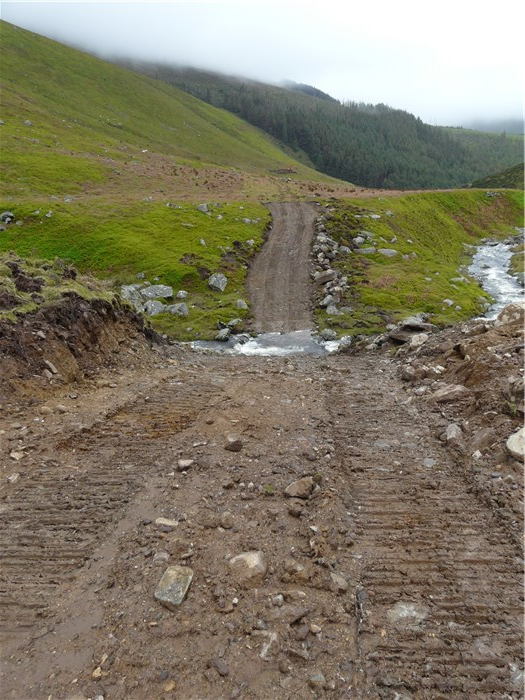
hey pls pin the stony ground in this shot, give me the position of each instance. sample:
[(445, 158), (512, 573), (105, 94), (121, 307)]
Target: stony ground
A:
[(388, 555)]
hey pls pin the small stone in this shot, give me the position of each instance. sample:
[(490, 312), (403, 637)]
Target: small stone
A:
[(317, 681), (166, 523), (302, 488), (340, 584), (13, 478), (233, 443), (227, 521), (315, 629), (169, 686), (295, 508), (61, 408), (453, 433), (51, 367), (249, 566), (184, 464), (278, 600), (219, 665), (173, 586), (45, 410)]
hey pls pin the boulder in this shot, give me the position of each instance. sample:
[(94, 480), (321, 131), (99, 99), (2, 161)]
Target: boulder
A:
[(153, 307), (387, 252), (223, 335), (131, 294), (218, 282), (178, 309), (157, 290)]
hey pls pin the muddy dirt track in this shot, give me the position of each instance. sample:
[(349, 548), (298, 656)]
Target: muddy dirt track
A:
[(391, 577)]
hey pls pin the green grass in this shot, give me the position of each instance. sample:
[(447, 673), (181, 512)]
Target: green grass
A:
[(94, 122), (55, 279), (437, 231), (116, 242)]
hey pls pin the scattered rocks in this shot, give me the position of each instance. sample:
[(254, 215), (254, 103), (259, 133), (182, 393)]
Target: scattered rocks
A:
[(173, 586)]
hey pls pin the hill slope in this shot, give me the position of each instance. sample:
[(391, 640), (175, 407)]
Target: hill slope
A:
[(511, 178), (372, 145), (72, 122)]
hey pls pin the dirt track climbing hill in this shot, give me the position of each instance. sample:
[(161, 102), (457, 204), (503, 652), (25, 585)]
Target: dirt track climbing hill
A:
[(278, 281)]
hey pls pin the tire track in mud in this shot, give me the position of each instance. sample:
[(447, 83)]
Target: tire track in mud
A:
[(278, 282), (438, 597), (51, 524)]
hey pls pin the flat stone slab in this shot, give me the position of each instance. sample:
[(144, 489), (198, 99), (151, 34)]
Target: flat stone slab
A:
[(173, 586)]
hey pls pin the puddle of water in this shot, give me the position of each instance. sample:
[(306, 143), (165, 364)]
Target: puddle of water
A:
[(271, 344), (490, 266)]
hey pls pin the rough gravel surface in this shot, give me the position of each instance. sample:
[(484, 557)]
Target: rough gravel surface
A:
[(388, 571)]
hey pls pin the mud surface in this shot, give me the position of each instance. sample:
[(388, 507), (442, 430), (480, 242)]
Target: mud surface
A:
[(278, 281), (395, 575)]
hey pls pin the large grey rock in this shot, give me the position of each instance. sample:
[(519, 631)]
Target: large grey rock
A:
[(387, 252), (131, 294), (173, 586), (152, 307), (516, 444), (223, 335), (328, 334), (178, 309), (249, 567), (324, 276), (218, 282), (157, 290)]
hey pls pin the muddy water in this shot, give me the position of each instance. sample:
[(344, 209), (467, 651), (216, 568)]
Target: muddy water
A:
[(490, 266)]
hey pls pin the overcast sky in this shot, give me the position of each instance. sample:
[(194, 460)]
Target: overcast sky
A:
[(446, 61)]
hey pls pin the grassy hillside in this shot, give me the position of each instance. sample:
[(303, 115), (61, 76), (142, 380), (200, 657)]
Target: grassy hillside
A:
[(433, 235), (104, 168), (371, 145), (511, 178), (74, 123)]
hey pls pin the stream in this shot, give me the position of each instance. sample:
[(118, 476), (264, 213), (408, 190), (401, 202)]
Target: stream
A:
[(490, 266)]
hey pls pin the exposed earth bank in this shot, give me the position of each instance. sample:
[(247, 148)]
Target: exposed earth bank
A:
[(384, 556)]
